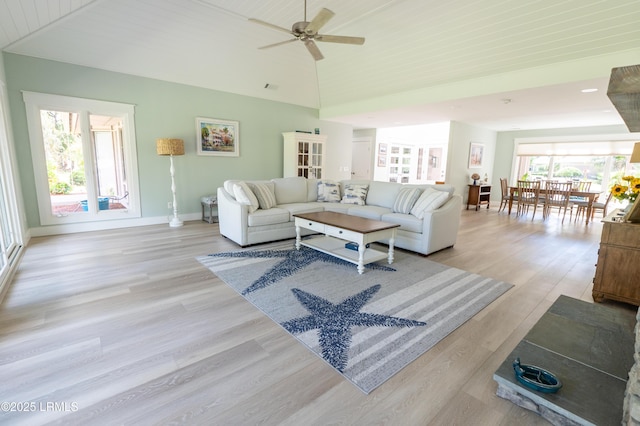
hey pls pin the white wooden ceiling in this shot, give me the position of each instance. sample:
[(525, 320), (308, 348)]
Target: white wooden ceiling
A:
[(423, 60)]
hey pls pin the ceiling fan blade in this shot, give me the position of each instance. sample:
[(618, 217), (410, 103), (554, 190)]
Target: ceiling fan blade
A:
[(313, 49), (278, 44), (339, 39), (266, 24), (318, 22)]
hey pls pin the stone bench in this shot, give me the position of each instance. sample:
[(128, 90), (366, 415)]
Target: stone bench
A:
[(590, 348)]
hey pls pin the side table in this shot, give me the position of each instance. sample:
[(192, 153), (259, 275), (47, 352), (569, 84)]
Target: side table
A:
[(209, 203), (478, 195)]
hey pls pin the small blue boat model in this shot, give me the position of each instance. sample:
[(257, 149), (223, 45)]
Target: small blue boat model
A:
[(536, 378)]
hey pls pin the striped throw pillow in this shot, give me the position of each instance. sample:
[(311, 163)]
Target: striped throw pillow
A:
[(265, 194), (431, 199), (406, 199)]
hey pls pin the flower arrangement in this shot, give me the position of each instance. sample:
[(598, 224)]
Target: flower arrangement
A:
[(627, 192)]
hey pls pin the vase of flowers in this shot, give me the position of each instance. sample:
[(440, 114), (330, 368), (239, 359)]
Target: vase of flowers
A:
[(629, 191)]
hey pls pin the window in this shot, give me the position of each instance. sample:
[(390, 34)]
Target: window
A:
[(10, 237), (84, 158), (601, 163)]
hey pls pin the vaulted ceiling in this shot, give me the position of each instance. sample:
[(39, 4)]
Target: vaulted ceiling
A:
[(501, 64)]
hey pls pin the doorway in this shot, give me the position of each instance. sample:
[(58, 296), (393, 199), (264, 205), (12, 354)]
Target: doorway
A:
[(361, 159), (84, 159)]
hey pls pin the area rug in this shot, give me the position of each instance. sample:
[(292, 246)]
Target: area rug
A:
[(369, 326)]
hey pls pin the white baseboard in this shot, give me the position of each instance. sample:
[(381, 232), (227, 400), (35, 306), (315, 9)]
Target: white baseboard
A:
[(73, 228)]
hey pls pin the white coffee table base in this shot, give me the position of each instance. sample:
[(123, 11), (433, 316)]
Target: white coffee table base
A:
[(335, 246)]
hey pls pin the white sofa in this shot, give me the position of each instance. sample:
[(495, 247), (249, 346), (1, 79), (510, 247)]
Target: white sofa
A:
[(249, 219)]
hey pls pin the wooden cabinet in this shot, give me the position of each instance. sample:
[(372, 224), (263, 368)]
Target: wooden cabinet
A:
[(478, 195), (618, 268), (303, 155)]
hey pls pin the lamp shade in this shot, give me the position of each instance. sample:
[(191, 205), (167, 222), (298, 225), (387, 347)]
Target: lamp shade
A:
[(170, 146), (635, 155)]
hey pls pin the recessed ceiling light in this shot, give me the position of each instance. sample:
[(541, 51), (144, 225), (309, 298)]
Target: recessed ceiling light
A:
[(589, 90)]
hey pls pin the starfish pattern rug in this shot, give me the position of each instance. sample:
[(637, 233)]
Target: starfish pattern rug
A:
[(368, 327)]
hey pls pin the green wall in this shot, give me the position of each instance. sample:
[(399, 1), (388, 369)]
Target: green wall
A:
[(164, 109)]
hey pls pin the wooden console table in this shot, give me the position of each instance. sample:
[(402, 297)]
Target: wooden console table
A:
[(618, 268), (478, 195)]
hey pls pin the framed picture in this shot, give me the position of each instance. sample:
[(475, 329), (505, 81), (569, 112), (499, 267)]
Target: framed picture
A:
[(633, 215), (382, 161), (218, 137), (476, 152), (382, 148)]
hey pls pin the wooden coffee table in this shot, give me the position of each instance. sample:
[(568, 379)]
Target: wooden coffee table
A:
[(338, 229)]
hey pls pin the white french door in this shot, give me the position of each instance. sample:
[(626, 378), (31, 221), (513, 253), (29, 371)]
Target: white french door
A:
[(84, 158)]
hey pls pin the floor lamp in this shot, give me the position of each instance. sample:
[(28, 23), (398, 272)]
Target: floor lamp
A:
[(171, 147)]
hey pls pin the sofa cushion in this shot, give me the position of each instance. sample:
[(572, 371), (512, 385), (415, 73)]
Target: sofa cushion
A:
[(369, 212), (336, 207), (405, 200), (296, 208), (265, 194), (312, 189), (431, 199), (407, 222), (328, 191), (290, 190), (245, 196), (355, 194), (383, 193), (271, 216)]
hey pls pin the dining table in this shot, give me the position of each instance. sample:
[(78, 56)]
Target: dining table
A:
[(591, 196)]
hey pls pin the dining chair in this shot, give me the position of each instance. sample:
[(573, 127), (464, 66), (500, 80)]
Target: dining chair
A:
[(528, 195), (557, 195), (597, 205), (504, 187), (583, 186)]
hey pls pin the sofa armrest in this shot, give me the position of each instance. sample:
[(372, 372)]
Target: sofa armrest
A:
[(232, 218), (440, 226)]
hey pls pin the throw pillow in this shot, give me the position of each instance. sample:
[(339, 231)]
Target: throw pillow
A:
[(355, 194), (245, 196), (328, 191), (430, 200), (406, 199), (264, 193)]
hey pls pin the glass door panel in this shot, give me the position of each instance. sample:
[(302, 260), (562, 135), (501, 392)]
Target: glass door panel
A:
[(62, 138), (106, 138)]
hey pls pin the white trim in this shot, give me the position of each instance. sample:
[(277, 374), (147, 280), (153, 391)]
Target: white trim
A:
[(73, 228), (610, 140), (34, 103), (12, 198), (580, 138)]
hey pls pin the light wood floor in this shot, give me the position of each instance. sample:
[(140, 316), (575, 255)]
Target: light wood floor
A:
[(126, 327)]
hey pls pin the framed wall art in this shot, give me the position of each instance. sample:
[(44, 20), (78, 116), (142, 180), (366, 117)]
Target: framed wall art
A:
[(633, 215), (218, 137), (476, 153)]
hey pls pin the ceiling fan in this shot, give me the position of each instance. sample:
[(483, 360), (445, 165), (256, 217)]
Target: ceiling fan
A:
[(307, 32)]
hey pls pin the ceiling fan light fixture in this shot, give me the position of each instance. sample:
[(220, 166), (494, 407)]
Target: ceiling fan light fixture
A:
[(307, 32)]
